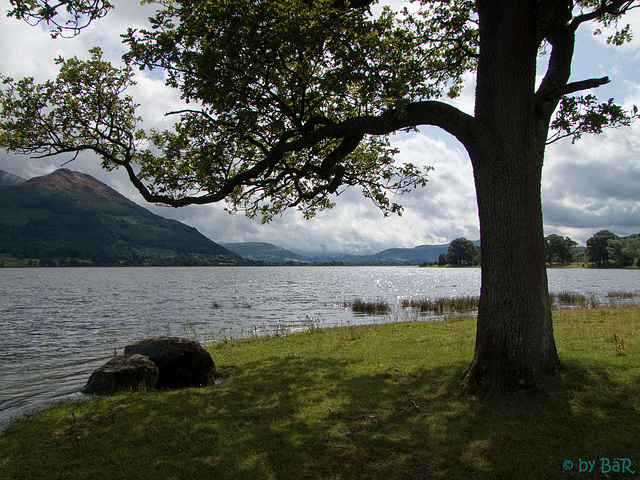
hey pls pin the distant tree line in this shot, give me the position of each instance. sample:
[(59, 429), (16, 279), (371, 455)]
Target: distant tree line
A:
[(606, 248), (603, 249), (460, 252)]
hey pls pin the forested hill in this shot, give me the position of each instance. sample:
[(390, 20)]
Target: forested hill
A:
[(269, 253), (69, 218), (266, 252)]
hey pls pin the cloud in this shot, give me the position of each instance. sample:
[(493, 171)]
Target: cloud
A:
[(587, 186), (443, 210), (594, 184), (632, 19)]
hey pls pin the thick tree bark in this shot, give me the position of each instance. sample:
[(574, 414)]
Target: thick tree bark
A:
[(514, 340)]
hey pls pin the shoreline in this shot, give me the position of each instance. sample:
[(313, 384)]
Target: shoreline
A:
[(380, 401), (13, 262), (560, 302)]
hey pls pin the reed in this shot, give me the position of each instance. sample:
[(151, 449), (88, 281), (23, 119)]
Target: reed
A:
[(571, 298), (622, 294), (375, 307), (442, 305)]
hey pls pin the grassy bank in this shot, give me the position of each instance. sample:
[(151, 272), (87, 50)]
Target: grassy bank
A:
[(356, 402)]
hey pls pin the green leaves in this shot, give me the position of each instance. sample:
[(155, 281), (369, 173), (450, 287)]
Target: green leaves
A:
[(268, 77), (583, 114), (64, 18), (84, 109), (290, 101), (607, 13), (269, 81)]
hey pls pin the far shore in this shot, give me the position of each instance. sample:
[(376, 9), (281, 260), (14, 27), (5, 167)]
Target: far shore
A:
[(13, 262)]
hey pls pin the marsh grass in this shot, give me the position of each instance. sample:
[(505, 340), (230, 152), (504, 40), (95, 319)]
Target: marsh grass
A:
[(241, 304), (384, 403), (442, 305), (369, 307), (622, 294), (571, 298), (574, 299)]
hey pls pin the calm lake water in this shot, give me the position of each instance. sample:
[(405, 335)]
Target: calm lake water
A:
[(58, 325)]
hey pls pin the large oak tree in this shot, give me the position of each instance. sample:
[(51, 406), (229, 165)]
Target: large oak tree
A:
[(291, 100)]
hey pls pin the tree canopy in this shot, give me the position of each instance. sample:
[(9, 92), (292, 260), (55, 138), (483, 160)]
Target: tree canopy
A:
[(559, 248), (461, 252), (625, 251), (597, 247), (63, 17), (291, 100), (605, 246)]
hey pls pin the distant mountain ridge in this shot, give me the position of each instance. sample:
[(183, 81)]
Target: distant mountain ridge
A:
[(270, 253), (265, 252), (8, 179), (71, 214), (74, 218)]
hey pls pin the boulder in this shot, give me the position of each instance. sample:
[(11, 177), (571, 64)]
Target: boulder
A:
[(182, 362), (124, 372)]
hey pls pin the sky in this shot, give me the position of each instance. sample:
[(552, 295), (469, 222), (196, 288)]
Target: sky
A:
[(587, 186)]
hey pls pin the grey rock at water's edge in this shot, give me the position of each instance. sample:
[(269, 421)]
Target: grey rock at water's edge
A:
[(182, 362), (124, 372)]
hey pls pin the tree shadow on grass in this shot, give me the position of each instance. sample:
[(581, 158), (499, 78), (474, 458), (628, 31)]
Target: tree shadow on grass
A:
[(416, 424), (303, 418)]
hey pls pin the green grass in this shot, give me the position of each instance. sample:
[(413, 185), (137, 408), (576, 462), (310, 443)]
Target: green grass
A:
[(380, 402), (9, 262)]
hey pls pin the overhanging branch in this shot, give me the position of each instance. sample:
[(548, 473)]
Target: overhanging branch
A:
[(351, 132), (574, 87), (615, 8)]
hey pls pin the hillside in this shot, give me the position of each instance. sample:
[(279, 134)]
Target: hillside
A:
[(270, 253), (8, 179), (69, 181), (74, 218), (265, 252)]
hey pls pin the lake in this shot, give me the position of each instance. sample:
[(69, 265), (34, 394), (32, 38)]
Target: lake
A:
[(58, 325)]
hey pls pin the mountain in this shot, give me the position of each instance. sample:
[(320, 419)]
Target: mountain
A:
[(74, 218), (270, 253), (419, 254), (66, 180), (8, 179), (265, 252), (391, 256)]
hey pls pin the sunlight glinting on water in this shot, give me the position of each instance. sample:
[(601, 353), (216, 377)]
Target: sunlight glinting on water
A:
[(57, 325)]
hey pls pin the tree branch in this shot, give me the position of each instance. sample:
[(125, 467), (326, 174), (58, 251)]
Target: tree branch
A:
[(616, 8), (459, 124), (66, 18), (464, 127), (574, 87)]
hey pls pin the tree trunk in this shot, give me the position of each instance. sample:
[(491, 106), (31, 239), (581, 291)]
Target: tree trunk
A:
[(514, 340)]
